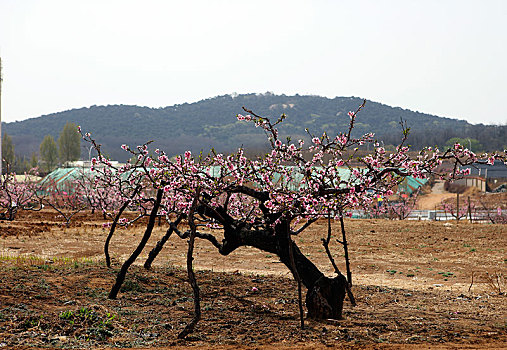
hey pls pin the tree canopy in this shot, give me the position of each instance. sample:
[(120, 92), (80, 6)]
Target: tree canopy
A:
[(7, 151), (69, 143), (48, 153)]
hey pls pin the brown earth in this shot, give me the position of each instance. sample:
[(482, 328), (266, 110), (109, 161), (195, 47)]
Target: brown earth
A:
[(433, 201), (482, 201), (418, 284)]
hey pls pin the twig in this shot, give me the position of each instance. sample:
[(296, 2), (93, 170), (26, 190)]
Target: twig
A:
[(325, 243), (348, 285), (471, 284)]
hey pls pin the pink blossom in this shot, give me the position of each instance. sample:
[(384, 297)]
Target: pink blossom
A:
[(316, 141)]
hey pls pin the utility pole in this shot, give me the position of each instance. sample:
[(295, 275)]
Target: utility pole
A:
[(1, 120)]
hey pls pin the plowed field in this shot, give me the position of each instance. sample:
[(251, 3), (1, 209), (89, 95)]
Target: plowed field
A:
[(418, 284)]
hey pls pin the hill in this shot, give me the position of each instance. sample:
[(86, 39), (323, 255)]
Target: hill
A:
[(212, 123)]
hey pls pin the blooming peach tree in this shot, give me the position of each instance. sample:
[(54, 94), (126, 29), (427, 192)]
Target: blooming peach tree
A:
[(402, 208), (18, 194), (233, 201)]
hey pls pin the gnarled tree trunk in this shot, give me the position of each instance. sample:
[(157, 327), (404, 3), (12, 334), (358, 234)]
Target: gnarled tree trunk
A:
[(325, 299), (325, 295)]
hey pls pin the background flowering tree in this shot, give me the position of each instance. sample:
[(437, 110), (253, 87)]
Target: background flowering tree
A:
[(494, 213), (67, 198), (113, 190), (232, 201), (459, 210), (402, 208), (17, 194)]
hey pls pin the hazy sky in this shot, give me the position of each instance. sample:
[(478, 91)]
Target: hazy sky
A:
[(447, 58)]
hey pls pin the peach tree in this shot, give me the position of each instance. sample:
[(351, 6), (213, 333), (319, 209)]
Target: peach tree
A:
[(234, 201)]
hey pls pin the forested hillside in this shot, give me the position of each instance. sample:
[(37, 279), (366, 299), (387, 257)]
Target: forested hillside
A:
[(212, 123)]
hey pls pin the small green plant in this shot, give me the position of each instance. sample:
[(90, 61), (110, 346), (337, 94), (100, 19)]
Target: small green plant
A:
[(31, 322), (66, 315), (131, 286), (108, 319), (88, 323), (392, 272), (85, 313), (45, 267), (446, 274)]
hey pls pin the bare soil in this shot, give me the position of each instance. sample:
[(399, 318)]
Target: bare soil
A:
[(418, 284), (482, 201)]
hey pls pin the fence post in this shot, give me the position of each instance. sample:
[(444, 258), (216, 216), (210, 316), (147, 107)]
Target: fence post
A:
[(457, 207), (469, 209)]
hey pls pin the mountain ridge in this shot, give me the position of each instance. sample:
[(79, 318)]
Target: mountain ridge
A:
[(211, 123)]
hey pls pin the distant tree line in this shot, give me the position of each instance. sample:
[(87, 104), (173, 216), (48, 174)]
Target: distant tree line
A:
[(210, 123), (477, 138), (50, 154)]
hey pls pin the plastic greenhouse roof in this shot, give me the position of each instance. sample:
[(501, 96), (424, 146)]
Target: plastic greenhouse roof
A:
[(63, 176)]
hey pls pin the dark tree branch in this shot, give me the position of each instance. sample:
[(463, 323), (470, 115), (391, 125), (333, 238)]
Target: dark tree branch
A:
[(160, 244), (147, 234), (190, 270), (295, 273), (113, 226)]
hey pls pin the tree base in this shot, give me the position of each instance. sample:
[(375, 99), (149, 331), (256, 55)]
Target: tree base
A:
[(325, 299)]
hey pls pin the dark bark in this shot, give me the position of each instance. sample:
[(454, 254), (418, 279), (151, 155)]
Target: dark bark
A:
[(111, 232), (147, 234), (11, 214), (190, 270), (325, 299), (113, 226), (272, 242), (345, 249), (276, 241), (296, 275), (160, 244)]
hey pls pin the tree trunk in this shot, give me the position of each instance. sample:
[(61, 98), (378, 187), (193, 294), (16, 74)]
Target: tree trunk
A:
[(325, 295), (325, 299)]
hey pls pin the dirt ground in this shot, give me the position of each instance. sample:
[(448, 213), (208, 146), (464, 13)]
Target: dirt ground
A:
[(418, 284), (481, 201)]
